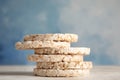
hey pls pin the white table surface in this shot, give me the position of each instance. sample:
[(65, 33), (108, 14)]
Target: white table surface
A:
[(25, 73)]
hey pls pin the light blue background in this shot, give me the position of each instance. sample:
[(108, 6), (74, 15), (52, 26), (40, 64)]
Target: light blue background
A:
[(97, 22)]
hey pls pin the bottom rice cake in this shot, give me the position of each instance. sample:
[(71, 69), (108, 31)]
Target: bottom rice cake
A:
[(60, 73), (55, 58), (64, 65)]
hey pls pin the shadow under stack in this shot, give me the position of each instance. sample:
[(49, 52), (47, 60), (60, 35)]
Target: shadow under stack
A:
[(53, 55)]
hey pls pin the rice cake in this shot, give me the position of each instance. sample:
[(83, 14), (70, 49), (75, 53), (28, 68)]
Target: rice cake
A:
[(40, 44), (65, 51), (55, 58), (64, 65), (60, 73), (58, 37)]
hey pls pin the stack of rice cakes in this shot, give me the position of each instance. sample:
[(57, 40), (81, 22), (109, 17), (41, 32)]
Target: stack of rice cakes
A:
[(53, 55)]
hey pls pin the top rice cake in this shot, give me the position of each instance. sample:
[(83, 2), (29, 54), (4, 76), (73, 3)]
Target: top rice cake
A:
[(58, 37)]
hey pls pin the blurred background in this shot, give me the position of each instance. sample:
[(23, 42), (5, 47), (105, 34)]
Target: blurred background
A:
[(97, 23)]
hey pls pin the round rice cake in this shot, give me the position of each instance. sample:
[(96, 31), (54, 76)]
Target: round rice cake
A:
[(60, 73), (55, 58), (64, 65), (52, 37), (41, 44), (57, 51)]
